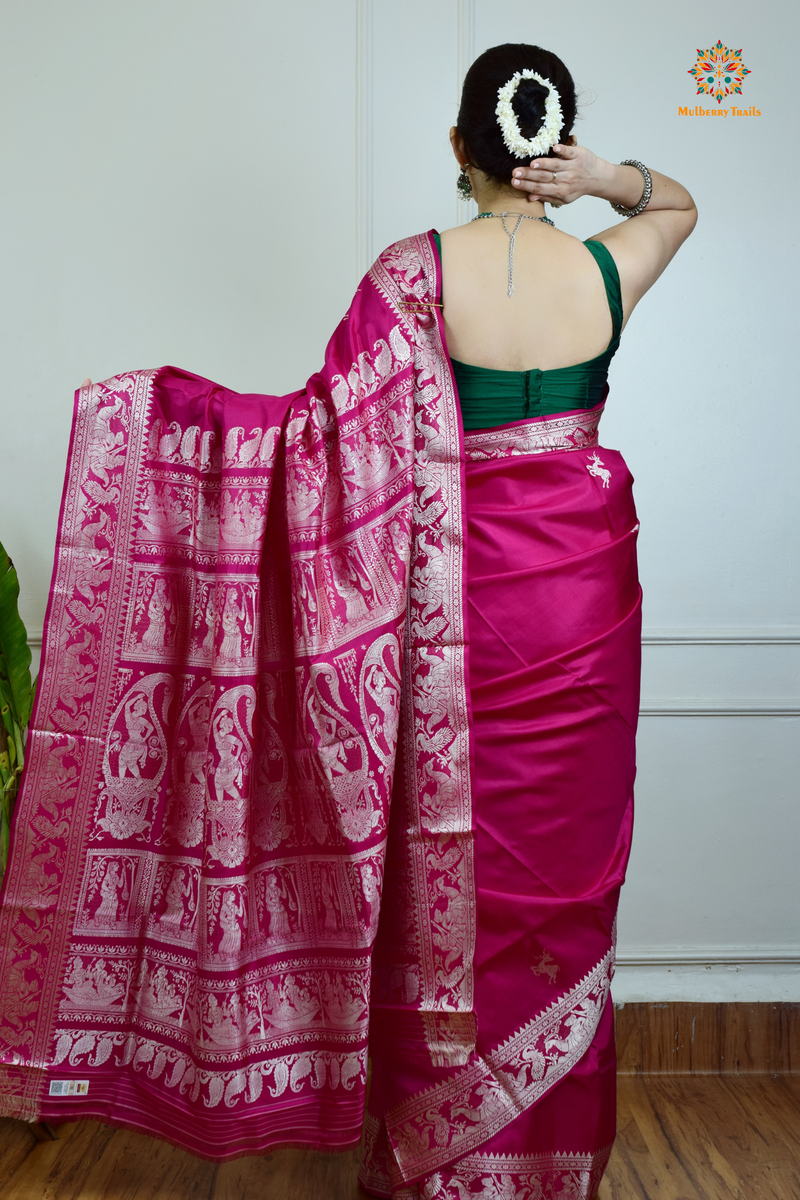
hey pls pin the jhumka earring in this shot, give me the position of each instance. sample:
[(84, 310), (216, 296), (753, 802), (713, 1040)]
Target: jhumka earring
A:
[(463, 185)]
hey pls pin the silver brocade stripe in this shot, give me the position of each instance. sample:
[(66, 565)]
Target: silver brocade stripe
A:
[(440, 1125), (73, 698), (436, 802), (515, 1176), (570, 431)]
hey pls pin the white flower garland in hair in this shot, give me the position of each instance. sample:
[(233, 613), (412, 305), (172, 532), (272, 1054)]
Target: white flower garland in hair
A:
[(507, 119)]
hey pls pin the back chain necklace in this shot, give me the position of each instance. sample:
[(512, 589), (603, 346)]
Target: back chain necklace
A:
[(512, 233)]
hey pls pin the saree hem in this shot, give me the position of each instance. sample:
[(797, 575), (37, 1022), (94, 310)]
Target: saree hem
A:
[(256, 1147), (442, 1124)]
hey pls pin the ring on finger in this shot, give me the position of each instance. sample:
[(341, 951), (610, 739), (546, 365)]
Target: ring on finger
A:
[(554, 176)]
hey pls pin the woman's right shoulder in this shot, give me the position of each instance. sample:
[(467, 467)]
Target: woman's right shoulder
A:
[(643, 247)]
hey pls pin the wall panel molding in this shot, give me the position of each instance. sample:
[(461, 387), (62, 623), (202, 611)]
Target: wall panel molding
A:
[(682, 956), (788, 635), (363, 134), (702, 707), (465, 55), (775, 635), (693, 706)]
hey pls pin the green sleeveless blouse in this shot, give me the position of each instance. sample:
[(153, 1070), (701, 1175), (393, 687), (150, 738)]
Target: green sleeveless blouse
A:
[(490, 398)]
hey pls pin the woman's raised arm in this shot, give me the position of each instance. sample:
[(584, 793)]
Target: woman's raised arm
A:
[(643, 245)]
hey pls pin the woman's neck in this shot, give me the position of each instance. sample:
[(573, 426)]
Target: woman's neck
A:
[(494, 198)]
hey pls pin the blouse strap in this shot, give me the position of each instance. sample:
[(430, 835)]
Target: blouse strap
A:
[(608, 268)]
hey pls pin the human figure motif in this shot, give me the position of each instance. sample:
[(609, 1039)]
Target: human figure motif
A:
[(92, 575), (105, 446), (228, 774), (164, 512), (75, 676), (112, 883), (330, 905), (276, 901), (492, 1099), (344, 759), (210, 617), (162, 618), (371, 885), (304, 488), (243, 518), (289, 1003), (306, 603), (580, 1024), (133, 752), (340, 1006), (152, 511), (387, 697), (222, 1019), (161, 996), (232, 613), (78, 976), (230, 916), (197, 753), (178, 890), (207, 518), (332, 749), (92, 985), (348, 582), (398, 532)]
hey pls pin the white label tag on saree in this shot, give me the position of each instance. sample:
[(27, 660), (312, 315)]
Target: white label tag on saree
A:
[(69, 1087)]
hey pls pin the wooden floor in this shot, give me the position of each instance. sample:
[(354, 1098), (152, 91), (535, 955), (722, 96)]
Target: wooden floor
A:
[(706, 1137), (681, 1137)]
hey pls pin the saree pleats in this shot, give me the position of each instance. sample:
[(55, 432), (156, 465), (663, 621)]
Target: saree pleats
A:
[(554, 627)]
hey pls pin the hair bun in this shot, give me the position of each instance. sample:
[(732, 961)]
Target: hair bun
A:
[(529, 105), (478, 119)]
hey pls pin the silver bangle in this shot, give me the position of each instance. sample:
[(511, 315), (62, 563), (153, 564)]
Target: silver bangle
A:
[(646, 194)]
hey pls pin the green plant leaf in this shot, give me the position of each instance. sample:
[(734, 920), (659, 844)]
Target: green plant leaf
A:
[(15, 655), (5, 768), (7, 798), (6, 707)]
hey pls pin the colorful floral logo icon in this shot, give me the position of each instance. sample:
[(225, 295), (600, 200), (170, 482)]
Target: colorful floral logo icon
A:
[(719, 72)]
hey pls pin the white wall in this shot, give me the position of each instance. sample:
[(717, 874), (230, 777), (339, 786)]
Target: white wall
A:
[(199, 182), (177, 187)]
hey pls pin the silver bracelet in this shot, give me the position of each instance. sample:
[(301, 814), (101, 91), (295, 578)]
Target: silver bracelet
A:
[(646, 194)]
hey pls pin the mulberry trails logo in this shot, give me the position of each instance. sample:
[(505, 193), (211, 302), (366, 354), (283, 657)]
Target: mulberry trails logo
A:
[(719, 72)]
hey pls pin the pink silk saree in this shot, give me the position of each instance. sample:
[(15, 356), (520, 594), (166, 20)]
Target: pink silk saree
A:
[(332, 755)]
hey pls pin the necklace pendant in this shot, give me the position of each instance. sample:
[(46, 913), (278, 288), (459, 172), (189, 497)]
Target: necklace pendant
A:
[(511, 234)]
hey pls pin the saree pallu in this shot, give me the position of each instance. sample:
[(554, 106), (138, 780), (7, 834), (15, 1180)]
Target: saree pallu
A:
[(247, 838)]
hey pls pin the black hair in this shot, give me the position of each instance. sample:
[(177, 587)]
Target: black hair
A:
[(477, 120)]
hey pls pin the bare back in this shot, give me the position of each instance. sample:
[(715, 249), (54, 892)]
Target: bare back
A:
[(558, 315)]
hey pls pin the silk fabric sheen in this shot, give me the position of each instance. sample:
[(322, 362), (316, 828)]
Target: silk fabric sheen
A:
[(257, 635), (554, 647)]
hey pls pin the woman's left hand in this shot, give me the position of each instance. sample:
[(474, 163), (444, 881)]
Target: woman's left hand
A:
[(574, 172)]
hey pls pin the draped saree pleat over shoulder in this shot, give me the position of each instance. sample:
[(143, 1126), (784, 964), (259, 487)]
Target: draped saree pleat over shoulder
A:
[(332, 755)]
